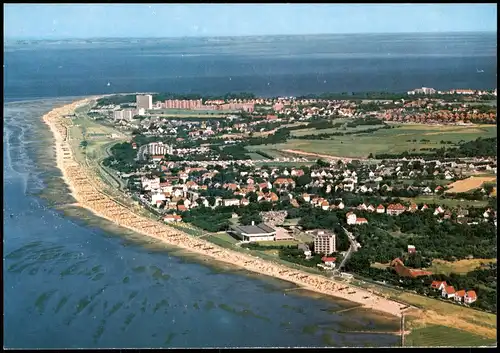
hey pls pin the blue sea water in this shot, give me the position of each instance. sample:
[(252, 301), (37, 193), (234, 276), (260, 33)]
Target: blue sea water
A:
[(266, 66), (68, 283)]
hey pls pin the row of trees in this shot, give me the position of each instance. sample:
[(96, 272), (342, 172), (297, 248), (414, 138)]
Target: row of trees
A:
[(325, 136), (386, 237), (209, 219)]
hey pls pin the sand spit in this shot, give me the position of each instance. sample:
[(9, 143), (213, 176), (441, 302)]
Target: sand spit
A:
[(88, 191)]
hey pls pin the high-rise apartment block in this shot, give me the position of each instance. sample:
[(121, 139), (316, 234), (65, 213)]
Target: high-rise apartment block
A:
[(183, 104), (118, 115), (128, 114), (324, 242), (144, 101)]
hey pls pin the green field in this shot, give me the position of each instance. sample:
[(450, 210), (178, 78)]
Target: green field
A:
[(442, 336), (383, 141), (459, 267), (98, 144), (313, 131), (257, 157), (222, 236), (435, 200)]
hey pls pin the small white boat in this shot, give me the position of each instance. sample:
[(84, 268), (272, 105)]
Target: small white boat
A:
[(479, 71), (109, 84)]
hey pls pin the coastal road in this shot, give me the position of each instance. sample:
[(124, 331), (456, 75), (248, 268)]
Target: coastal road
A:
[(352, 248)]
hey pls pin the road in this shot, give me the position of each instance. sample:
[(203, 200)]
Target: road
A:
[(353, 248)]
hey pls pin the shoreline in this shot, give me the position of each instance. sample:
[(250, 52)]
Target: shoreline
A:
[(88, 191)]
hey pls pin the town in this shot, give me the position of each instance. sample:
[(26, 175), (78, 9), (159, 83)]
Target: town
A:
[(202, 166)]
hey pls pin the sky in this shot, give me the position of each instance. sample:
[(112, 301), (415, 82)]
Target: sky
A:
[(54, 21)]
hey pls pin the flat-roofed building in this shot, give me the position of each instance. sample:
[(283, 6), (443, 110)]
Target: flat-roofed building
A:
[(158, 148), (260, 232), (118, 115), (128, 114), (144, 101), (324, 242)]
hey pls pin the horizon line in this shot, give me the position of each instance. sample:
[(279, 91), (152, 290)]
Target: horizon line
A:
[(245, 35)]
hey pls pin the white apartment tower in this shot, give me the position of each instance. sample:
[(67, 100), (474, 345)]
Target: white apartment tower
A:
[(128, 114), (324, 242), (144, 101), (118, 115)]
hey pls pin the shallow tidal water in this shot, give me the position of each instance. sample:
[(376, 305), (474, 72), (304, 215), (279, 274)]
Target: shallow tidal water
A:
[(72, 280)]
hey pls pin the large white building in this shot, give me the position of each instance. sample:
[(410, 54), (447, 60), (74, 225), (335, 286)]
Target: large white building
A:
[(128, 114), (144, 101), (231, 202), (261, 232), (423, 90), (150, 184), (118, 115), (158, 148), (324, 242)]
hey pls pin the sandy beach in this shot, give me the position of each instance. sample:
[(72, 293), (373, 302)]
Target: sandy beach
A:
[(88, 191)]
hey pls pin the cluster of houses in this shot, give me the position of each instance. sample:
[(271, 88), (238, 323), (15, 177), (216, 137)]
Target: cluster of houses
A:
[(437, 110), (448, 292), (182, 191)]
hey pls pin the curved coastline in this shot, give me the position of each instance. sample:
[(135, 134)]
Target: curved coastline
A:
[(88, 192)]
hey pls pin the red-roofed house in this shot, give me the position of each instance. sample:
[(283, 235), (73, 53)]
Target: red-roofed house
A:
[(361, 220), (298, 172), (326, 259), (181, 208), (329, 261), (284, 182), (172, 218), (413, 207), (231, 186), (460, 295), (263, 186), (439, 285), (470, 297), (438, 210), (404, 271), (380, 209), (395, 209), (448, 292), (273, 197)]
